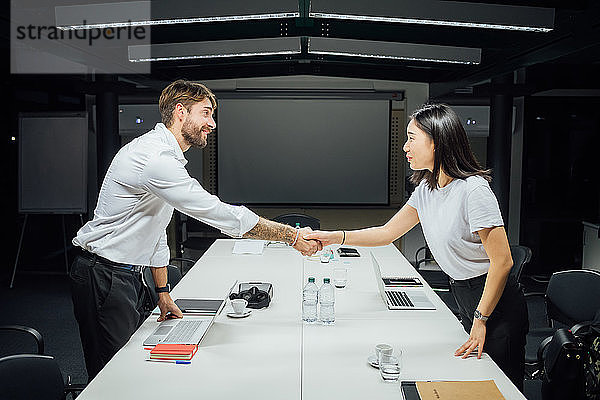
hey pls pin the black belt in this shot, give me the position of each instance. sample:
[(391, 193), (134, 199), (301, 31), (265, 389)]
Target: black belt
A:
[(105, 261), (468, 282)]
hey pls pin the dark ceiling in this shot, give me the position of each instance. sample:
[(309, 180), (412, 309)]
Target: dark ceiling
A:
[(566, 57)]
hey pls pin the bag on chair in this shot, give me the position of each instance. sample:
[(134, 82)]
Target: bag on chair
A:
[(563, 367), (590, 337)]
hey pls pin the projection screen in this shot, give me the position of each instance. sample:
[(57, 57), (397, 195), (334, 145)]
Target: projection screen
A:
[(311, 151)]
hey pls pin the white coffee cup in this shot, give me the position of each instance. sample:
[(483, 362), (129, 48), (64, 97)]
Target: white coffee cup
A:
[(239, 305)]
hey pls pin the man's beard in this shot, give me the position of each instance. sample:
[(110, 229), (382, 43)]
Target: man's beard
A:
[(192, 133)]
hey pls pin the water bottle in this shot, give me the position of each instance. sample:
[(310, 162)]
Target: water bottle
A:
[(310, 296), (326, 302)]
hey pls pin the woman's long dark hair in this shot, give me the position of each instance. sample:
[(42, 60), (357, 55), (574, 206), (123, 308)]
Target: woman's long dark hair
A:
[(453, 153)]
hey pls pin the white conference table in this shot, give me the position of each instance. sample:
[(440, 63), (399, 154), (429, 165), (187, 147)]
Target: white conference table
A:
[(273, 355)]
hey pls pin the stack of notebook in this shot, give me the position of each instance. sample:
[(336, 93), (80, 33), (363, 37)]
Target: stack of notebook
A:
[(165, 351)]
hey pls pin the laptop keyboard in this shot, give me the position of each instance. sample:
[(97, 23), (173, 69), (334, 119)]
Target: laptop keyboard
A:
[(399, 299), (183, 331)]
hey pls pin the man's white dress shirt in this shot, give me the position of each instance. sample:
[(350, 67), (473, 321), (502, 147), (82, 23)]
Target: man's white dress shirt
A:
[(146, 180)]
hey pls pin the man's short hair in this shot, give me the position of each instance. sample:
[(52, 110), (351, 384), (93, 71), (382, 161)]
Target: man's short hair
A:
[(185, 92)]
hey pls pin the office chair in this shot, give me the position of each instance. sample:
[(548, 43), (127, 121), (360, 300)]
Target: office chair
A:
[(33, 376), (195, 236), (572, 297), (435, 277), (174, 275), (302, 219), (521, 256)]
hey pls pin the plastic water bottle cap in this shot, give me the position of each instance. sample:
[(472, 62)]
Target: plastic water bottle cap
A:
[(311, 279), (325, 280)]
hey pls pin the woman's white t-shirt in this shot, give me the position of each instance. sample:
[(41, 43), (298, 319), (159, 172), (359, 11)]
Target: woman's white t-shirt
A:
[(450, 218)]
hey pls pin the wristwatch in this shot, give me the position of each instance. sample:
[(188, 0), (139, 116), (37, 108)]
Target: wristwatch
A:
[(478, 315), (164, 289)]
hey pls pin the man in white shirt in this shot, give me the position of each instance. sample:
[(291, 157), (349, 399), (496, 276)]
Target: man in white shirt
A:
[(145, 182)]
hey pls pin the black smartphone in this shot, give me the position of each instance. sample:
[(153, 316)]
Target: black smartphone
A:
[(401, 281), (348, 252)]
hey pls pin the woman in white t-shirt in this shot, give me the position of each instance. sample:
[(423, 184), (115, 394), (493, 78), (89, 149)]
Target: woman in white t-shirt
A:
[(464, 230)]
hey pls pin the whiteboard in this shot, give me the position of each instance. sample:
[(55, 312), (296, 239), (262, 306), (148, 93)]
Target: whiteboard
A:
[(53, 163)]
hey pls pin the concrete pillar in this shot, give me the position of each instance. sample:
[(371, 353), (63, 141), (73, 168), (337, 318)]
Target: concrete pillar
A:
[(499, 140)]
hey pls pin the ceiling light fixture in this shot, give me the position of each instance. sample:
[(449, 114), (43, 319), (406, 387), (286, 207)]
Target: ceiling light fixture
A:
[(162, 12), (215, 49), (434, 12), (394, 51)]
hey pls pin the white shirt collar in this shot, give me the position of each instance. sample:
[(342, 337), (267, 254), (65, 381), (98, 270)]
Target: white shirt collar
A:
[(170, 137)]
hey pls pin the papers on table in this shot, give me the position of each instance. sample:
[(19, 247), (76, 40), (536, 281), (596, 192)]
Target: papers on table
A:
[(248, 246)]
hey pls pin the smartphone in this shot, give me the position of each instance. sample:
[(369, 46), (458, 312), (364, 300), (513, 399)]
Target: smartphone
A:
[(348, 252), (401, 281)]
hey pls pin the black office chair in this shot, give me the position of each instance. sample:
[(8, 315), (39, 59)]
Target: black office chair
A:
[(33, 376), (195, 236), (302, 219), (174, 275), (572, 297), (521, 256), (184, 264), (436, 278)]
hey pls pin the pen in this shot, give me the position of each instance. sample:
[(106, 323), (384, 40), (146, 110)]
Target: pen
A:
[(170, 361)]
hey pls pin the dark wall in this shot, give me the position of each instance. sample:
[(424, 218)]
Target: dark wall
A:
[(561, 187)]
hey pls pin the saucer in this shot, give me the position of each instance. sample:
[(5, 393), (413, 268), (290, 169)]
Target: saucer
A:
[(235, 315), (372, 360)]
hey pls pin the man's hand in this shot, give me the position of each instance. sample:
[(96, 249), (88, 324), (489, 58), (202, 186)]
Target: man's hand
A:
[(168, 308), (307, 247)]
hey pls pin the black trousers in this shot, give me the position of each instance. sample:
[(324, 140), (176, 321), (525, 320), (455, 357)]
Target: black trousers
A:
[(506, 329), (109, 307)]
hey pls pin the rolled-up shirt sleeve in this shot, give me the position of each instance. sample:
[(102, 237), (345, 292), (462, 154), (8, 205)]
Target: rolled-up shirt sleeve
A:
[(161, 252), (166, 177)]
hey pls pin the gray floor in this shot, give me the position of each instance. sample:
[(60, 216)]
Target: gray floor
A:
[(44, 303)]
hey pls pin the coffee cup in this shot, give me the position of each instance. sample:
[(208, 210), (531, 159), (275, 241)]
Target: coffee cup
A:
[(239, 305)]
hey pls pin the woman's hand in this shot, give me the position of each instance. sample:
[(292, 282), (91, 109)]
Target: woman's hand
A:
[(476, 340), (326, 237)]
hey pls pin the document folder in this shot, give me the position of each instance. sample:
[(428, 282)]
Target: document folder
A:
[(447, 390)]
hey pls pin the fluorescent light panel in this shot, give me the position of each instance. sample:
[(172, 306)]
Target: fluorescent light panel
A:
[(215, 49), (394, 51), (433, 12), (162, 12)]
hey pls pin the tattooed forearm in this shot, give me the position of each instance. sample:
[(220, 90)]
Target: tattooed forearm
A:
[(270, 230)]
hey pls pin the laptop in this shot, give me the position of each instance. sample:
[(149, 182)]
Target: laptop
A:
[(400, 297), (186, 330)]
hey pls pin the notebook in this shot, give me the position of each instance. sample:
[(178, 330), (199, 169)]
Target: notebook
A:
[(165, 351), (409, 297)]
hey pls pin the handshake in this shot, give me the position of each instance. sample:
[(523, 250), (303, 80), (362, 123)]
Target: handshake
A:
[(309, 241)]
